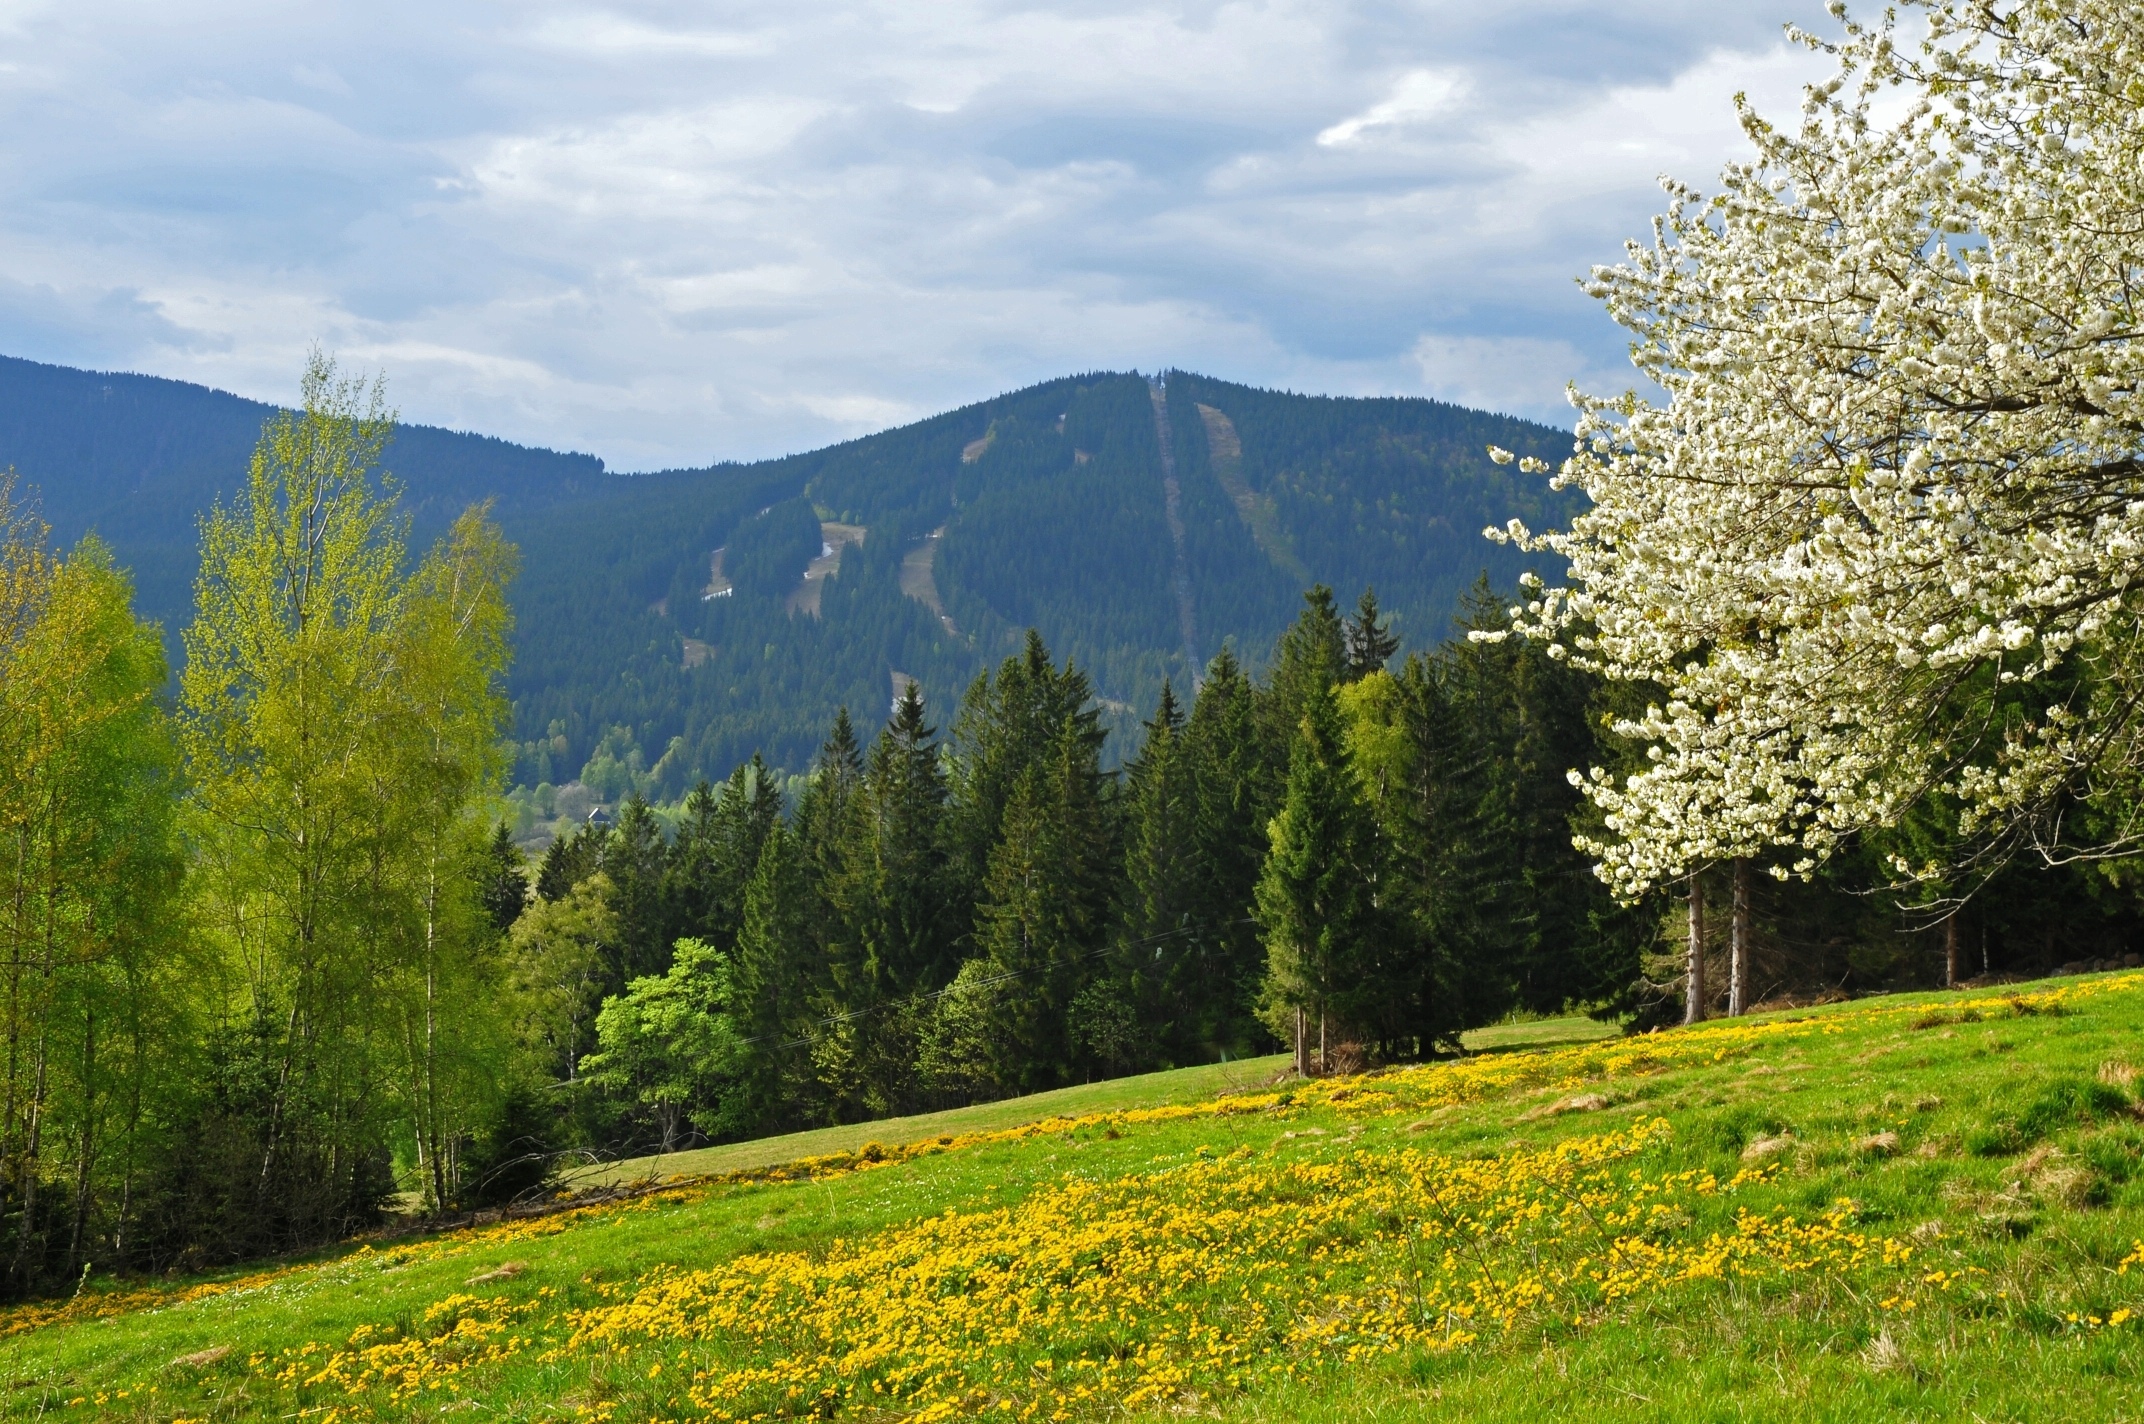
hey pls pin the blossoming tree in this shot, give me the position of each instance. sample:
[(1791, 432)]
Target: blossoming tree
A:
[(1877, 547)]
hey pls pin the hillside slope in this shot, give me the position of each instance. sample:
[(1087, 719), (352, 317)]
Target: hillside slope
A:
[(1930, 1206), (138, 460), (681, 621), (1047, 508)]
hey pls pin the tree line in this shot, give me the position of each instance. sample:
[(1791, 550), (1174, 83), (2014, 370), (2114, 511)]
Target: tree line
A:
[(1348, 859)]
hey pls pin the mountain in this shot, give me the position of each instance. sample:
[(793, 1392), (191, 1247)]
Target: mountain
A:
[(1049, 507), (671, 624), (138, 459)]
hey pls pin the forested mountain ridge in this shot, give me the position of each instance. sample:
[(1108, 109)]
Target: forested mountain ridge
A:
[(640, 656), (1044, 508), (138, 460)]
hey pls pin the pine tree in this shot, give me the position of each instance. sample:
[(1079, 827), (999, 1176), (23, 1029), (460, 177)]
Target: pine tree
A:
[(1316, 893), (637, 860), (1235, 792), (1370, 643), (505, 889)]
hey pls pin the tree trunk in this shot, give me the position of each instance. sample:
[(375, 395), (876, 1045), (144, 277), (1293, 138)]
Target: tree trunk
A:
[(1302, 1045), (1738, 952), (1693, 991), (87, 1145), (1950, 951)]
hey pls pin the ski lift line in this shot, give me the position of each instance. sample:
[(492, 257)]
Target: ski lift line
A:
[(832, 1020)]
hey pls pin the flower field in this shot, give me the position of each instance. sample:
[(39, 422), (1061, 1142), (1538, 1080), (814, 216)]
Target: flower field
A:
[(1235, 1253)]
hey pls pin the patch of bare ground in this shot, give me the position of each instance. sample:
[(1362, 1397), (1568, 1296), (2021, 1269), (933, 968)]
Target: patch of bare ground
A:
[(833, 538), (918, 580), (1259, 514)]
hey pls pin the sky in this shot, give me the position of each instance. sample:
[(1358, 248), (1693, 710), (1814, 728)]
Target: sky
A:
[(670, 234)]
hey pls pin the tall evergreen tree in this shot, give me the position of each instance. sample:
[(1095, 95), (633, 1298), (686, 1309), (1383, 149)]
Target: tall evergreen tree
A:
[(505, 888), (1235, 791), (1008, 723), (1308, 660), (1370, 642), (898, 896), (1157, 971), (717, 850), (1045, 906), (567, 861), (773, 980), (637, 860), (1317, 893)]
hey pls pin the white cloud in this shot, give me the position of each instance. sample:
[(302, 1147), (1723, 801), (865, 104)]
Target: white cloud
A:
[(1418, 95), (669, 233)]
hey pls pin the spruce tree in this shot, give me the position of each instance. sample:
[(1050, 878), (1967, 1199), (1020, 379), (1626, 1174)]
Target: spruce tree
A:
[(719, 846), (772, 983), (1234, 792), (1045, 907), (505, 887), (637, 858), (913, 925), (894, 898), (1309, 658), (570, 859), (692, 881), (1007, 724), (1370, 642), (1155, 973), (1316, 894)]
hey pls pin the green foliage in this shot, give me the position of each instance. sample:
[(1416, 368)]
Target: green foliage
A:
[(671, 1041), (1316, 895), (97, 1006), (341, 719)]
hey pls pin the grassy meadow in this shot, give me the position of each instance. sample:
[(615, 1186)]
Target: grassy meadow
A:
[(1924, 1206)]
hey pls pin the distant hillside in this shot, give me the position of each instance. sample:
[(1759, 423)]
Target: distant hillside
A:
[(1047, 507), (672, 624), (138, 459)]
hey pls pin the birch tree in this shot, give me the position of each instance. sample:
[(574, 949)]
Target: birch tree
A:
[(338, 715), (93, 991)]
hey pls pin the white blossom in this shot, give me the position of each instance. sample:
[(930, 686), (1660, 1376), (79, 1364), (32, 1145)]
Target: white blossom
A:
[(1895, 474)]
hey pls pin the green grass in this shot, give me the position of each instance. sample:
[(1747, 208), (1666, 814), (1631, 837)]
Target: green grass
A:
[(2017, 1165), (1537, 1033), (1180, 1085)]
